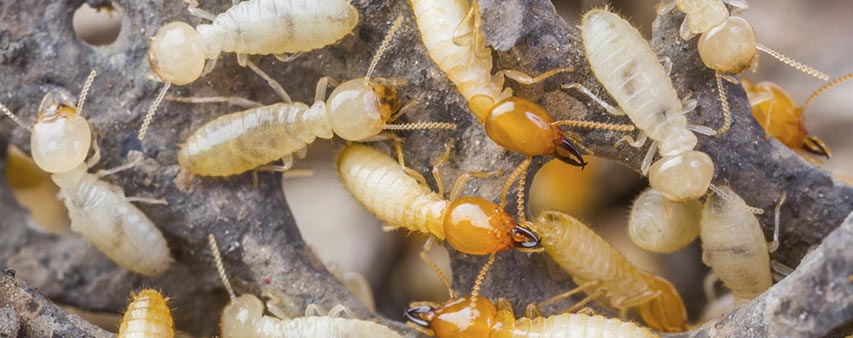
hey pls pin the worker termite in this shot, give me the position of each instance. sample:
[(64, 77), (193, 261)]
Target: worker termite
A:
[(147, 316), (733, 244), (178, 52), (451, 32), (474, 316), (777, 112), (357, 110), (600, 270), (244, 317), (660, 225), (727, 44), (99, 211), (628, 68)]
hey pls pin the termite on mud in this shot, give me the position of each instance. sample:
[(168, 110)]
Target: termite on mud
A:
[(660, 225), (357, 110), (600, 270), (727, 44), (244, 317), (780, 116), (628, 68), (59, 143), (147, 316)]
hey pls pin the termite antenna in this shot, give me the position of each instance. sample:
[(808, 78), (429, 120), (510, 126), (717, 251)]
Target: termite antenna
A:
[(477, 283), (826, 87), (512, 178), (85, 91), (793, 63), (724, 102), (728, 198), (14, 118), (220, 268), (151, 110), (383, 46), (437, 271)]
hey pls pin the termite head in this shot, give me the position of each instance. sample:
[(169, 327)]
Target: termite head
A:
[(177, 53), (729, 47), (238, 316), (476, 226), (61, 138), (454, 318), (360, 108), (682, 177), (786, 123)]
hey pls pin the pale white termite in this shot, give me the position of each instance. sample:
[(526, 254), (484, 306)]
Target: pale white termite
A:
[(660, 225), (733, 245), (98, 210), (628, 68), (244, 317), (728, 44), (147, 316), (178, 52), (357, 110)]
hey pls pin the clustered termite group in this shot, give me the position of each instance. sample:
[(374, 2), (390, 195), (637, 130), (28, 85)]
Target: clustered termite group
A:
[(664, 218)]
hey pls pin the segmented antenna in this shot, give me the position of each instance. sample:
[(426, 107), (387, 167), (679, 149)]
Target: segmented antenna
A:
[(826, 87), (595, 125), (438, 272), (383, 46), (151, 110), (728, 198), (14, 118), (421, 125), (724, 101), (793, 63), (477, 283), (85, 92), (220, 268), (512, 178)]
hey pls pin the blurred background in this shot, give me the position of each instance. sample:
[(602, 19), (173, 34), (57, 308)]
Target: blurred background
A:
[(350, 240)]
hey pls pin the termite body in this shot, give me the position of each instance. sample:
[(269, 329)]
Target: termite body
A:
[(464, 317), (98, 210), (147, 316), (628, 68), (595, 263), (659, 225)]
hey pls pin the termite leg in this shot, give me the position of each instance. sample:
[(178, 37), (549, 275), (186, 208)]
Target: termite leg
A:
[(398, 147), (243, 60), (532, 311), (147, 200), (684, 31), (610, 109), (287, 57), (666, 61), (587, 311), (462, 180), (583, 302), (231, 100), (779, 270), (647, 160), (192, 7), (636, 143), (315, 310), (461, 38), (134, 157), (708, 286), (286, 164), (583, 287), (96, 155), (525, 79), (773, 245), (739, 5), (403, 110), (702, 130), (322, 86), (341, 311), (436, 172)]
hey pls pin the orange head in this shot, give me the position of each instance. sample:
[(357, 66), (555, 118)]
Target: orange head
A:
[(454, 318), (523, 126), (476, 226), (665, 313)]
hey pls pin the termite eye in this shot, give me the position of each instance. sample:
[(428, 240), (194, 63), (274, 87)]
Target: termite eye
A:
[(525, 238), (415, 314), (176, 53)]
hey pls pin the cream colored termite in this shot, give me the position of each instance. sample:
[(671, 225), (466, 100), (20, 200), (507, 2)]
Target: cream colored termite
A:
[(244, 317), (178, 52), (98, 210), (628, 68), (147, 316), (659, 225), (357, 110)]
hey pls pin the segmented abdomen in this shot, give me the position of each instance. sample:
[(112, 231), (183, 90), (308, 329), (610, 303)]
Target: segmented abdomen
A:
[(380, 184), (468, 67), (628, 68), (310, 327), (571, 325), (588, 257), (238, 142), (147, 316), (99, 211), (280, 26)]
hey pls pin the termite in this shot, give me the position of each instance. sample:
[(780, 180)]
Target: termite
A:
[(178, 52), (558, 186), (147, 316), (59, 143), (733, 244), (34, 190), (780, 116), (244, 317), (660, 225), (474, 316), (600, 270), (357, 110), (451, 32), (727, 44), (628, 68)]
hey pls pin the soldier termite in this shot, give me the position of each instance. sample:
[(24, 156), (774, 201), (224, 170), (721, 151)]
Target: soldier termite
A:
[(778, 113), (660, 225), (34, 190), (727, 44), (244, 317), (451, 32), (178, 52), (357, 110), (628, 68), (600, 270), (147, 316), (99, 211)]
